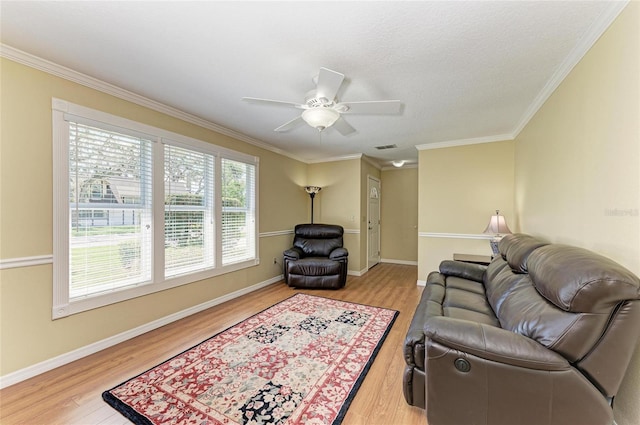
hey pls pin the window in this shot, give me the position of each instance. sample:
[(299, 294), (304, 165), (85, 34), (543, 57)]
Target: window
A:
[(109, 242), (138, 209), (238, 211), (188, 210)]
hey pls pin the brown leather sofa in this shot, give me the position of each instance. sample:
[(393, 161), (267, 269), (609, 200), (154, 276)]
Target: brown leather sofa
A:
[(317, 258), (541, 336)]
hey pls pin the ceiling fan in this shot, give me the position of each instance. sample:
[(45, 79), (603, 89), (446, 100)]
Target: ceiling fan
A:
[(322, 109)]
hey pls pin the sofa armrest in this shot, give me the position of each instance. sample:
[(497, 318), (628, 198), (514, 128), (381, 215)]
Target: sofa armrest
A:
[(463, 270), (492, 343), (339, 254), (293, 253)]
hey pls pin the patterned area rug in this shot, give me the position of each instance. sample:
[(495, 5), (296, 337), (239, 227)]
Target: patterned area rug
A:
[(300, 361)]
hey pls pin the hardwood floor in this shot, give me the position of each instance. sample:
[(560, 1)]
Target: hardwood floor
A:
[(71, 394)]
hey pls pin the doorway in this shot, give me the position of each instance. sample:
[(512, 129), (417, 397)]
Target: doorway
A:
[(373, 222)]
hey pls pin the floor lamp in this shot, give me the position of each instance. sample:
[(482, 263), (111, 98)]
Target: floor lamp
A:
[(312, 190)]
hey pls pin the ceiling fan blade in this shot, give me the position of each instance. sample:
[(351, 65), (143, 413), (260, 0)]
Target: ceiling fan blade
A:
[(329, 83), (373, 107), (343, 127), (289, 125), (273, 102)]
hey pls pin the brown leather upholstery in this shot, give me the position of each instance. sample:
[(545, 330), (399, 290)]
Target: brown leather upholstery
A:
[(542, 336), (317, 258)]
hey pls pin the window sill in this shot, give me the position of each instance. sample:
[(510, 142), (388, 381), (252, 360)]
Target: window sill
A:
[(80, 305)]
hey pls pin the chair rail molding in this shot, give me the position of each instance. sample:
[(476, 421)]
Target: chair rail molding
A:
[(454, 235), (275, 233), (36, 260)]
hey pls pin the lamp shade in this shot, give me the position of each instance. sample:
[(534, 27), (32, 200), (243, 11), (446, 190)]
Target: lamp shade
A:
[(312, 189), (320, 118), (497, 225)]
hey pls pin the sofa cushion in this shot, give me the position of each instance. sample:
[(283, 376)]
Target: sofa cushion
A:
[(578, 280), (317, 247), (524, 311), (516, 248), (466, 300), (465, 285), (448, 296), (318, 231), (317, 240), (463, 270), (312, 266)]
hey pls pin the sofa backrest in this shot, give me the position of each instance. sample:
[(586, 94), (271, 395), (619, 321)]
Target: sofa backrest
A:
[(573, 301), (317, 240), (516, 248), (581, 281)]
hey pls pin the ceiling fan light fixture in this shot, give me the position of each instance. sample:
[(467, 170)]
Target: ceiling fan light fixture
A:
[(398, 163), (320, 118)]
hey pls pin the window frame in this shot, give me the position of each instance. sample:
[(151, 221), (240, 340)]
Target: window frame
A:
[(62, 111), (208, 207)]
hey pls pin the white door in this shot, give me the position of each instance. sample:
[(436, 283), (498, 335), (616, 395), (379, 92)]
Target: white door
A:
[(373, 222)]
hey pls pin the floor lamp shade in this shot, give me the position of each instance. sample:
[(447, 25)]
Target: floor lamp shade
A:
[(312, 190)]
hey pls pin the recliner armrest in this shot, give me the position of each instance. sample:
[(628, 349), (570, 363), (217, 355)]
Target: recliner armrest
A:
[(463, 270), (492, 343), (293, 253), (338, 254)]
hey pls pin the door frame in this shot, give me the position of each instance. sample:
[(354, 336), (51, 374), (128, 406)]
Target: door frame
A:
[(371, 178)]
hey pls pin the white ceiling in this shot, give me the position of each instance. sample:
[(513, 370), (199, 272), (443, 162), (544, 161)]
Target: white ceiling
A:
[(463, 71)]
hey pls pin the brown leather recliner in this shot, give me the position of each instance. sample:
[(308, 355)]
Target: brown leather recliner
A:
[(317, 258), (542, 336)]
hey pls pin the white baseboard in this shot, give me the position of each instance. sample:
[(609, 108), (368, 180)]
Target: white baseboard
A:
[(403, 262), (356, 272), (50, 364), (422, 283)]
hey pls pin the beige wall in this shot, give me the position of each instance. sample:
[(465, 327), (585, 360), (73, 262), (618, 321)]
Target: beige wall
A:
[(459, 188), (29, 336), (578, 165), (399, 215), (339, 201)]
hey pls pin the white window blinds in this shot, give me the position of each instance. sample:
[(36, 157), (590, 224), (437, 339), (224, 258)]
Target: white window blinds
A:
[(189, 210), (110, 210), (138, 209), (238, 211)]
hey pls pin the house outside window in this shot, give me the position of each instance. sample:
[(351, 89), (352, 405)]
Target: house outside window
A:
[(138, 209)]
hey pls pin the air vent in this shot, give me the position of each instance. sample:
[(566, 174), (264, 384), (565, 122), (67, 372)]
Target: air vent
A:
[(386, 147)]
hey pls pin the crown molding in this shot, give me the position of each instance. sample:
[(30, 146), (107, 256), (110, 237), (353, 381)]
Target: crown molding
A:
[(372, 162), (54, 69), (465, 142), (578, 52), (335, 158), (588, 40)]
